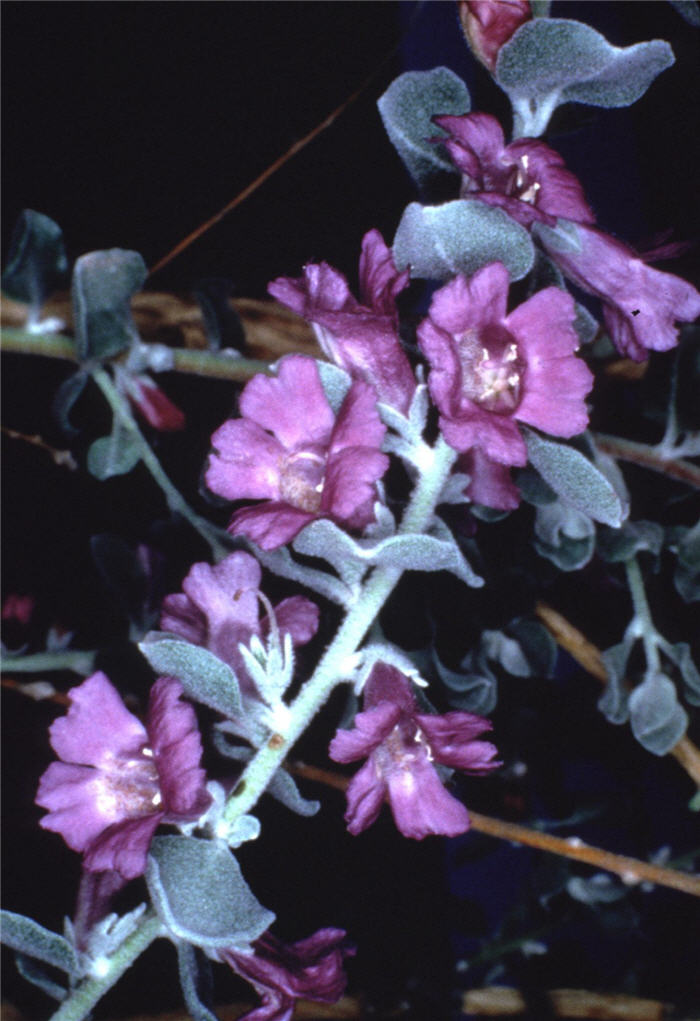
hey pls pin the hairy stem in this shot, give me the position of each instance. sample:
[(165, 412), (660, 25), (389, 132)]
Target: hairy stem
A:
[(176, 502), (332, 668), (643, 615), (81, 1001), (77, 660)]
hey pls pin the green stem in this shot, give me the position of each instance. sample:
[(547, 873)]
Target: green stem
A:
[(81, 1001), (643, 615), (334, 666), (77, 660), (212, 364), (174, 498)]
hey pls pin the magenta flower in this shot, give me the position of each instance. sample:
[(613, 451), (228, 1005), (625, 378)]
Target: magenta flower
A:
[(489, 483), (311, 969), (363, 338), (490, 370), (290, 451), (526, 178), (401, 746), (219, 609), (489, 24), (117, 780), (640, 305)]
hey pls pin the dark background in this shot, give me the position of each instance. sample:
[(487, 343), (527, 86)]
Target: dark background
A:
[(129, 124)]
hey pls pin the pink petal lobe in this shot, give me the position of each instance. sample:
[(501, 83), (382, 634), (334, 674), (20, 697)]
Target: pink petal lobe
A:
[(96, 725)]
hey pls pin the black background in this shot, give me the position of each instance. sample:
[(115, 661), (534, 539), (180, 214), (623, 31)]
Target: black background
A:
[(129, 124)]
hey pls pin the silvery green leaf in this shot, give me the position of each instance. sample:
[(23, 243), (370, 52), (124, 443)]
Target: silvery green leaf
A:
[(245, 828), (270, 669), (335, 382), (537, 644), (36, 260), (198, 890), (322, 538), (552, 61), (67, 394), (454, 490), (557, 521), (680, 654), (472, 693), (568, 554), (196, 982), (204, 677), (613, 703), (540, 8), (658, 721), (283, 788), (115, 454), (282, 563), (33, 972), (407, 108), (103, 283), (577, 482), (599, 889), (689, 10), (499, 647), (438, 242), (436, 552), (617, 545), (33, 940), (687, 574)]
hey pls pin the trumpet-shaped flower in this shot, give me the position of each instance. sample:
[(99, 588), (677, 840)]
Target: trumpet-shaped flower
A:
[(291, 452), (361, 338), (489, 370), (219, 609), (402, 747), (281, 973), (117, 779), (641, 305), (527, 178)]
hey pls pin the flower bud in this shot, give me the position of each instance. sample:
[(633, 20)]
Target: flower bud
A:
[(488, 24)]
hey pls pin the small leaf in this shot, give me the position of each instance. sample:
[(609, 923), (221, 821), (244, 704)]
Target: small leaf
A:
[(198, 891), (658, 721), (564, 535), (115, 454), (575, 479), (103, 283), (33, 972), (563, 61), (681, 655), (614, 702), (621, 544), (437, 242), (407, 108), (221, 320), (335, 382), (204, 677), (196, 982), (537, 644), (33, 940), (687, 574), (688, 9), (36, 262), (67, 394), (283, 788)]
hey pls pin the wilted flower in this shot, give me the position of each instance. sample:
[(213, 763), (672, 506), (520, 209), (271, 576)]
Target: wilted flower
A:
[(118, 780), (640, 305), (219, 609), (402, 746), (489, 370), (488, 24), (149, 400), (362, 338), (283, 973), (290, 451), (527, 178)]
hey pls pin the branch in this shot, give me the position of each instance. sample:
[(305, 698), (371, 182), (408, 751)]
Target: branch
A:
[(649, 457), (589, 657), (500, 1001), (630, 870)]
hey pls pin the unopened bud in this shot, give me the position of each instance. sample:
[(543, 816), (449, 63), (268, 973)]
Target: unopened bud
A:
[(489, 24)]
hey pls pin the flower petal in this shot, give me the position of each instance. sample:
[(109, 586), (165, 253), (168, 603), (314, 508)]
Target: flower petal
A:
[(245, 463), (420, 804), (358, 423), (177, 747), (123, 847), (365, 794), (291, 405), (349, 490), (97, 725), (297, 616), (271, 524), (370, 728), (451, 739), (76, 810)]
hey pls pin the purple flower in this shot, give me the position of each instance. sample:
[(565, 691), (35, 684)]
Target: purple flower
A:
[(489, 24), (117, 780), (281, 973), (489, 483), (148, 398), (526, 178), (363, 338), (289, 451), (401, 746), (219, 609), (640, 304), (490, 370)]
